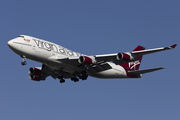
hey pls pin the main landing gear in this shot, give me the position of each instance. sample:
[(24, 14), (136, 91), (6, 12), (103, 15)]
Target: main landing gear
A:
[(83, 76), (61, 79), (75, 79), (23, 61)]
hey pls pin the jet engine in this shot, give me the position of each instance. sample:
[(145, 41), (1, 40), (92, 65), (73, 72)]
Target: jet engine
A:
[(35, 71), (86, 60), (35, 78), (35, 74), (124, 57)]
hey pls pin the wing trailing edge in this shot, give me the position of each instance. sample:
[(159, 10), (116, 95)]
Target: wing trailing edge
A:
[(149, 51)]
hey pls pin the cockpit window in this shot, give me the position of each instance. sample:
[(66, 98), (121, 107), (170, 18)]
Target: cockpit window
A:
[(21, 36)]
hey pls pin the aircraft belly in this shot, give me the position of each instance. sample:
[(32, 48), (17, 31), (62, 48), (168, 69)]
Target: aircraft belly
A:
[(109, 74), (59, 66), (116, 71)]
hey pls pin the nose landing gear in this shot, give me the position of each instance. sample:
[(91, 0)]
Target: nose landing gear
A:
[(23, 61)]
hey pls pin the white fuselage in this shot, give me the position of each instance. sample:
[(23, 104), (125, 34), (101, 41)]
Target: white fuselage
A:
[(48, 53)]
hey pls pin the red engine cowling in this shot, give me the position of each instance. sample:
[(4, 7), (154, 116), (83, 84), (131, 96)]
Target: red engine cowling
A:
[(35, 78), (35, 71), (124, 57), (35, 74), (86, 60)]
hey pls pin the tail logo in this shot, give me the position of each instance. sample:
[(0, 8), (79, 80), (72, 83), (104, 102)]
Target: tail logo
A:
[(132, 65)]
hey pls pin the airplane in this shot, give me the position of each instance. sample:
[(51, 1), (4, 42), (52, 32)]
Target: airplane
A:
[(62, 63)]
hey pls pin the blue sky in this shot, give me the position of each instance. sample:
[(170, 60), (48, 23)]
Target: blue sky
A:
[(92, 27)]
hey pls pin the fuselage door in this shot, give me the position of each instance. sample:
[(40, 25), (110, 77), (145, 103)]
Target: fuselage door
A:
[(34, 47)]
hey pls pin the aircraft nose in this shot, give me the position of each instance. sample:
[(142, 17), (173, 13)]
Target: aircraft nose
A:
[(10, 43)]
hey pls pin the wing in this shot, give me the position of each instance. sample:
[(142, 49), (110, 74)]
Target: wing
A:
[(79, 66), (149, 51), (98, 62), (132, 55), (117, 58)]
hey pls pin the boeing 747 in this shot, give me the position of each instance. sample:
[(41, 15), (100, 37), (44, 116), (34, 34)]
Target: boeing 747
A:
[(63, 63)]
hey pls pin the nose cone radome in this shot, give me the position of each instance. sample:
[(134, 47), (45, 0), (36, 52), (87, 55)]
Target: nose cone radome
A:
[(14, 46), (10, 43)]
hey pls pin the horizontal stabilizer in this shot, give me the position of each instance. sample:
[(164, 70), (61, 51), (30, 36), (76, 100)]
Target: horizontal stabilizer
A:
[(145, 71)]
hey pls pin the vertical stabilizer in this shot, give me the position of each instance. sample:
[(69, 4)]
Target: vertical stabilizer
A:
[(132, 66)]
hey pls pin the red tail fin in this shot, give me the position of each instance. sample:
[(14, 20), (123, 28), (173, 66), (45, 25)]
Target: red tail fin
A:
[(131, 66)]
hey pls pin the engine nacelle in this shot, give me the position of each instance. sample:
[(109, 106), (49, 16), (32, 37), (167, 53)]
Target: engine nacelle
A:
[(86, 60), (35, 71), (124, 57), (35, 74), (35, 78)]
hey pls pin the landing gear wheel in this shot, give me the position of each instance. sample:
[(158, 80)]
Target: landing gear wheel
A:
[(62, 81), (75, 79), (23, 63), (84, 77)]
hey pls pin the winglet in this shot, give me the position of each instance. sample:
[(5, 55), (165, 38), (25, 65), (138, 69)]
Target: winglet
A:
[(173, 46)]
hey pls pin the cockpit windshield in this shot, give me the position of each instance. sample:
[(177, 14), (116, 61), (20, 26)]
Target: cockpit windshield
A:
[(21, 36)]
